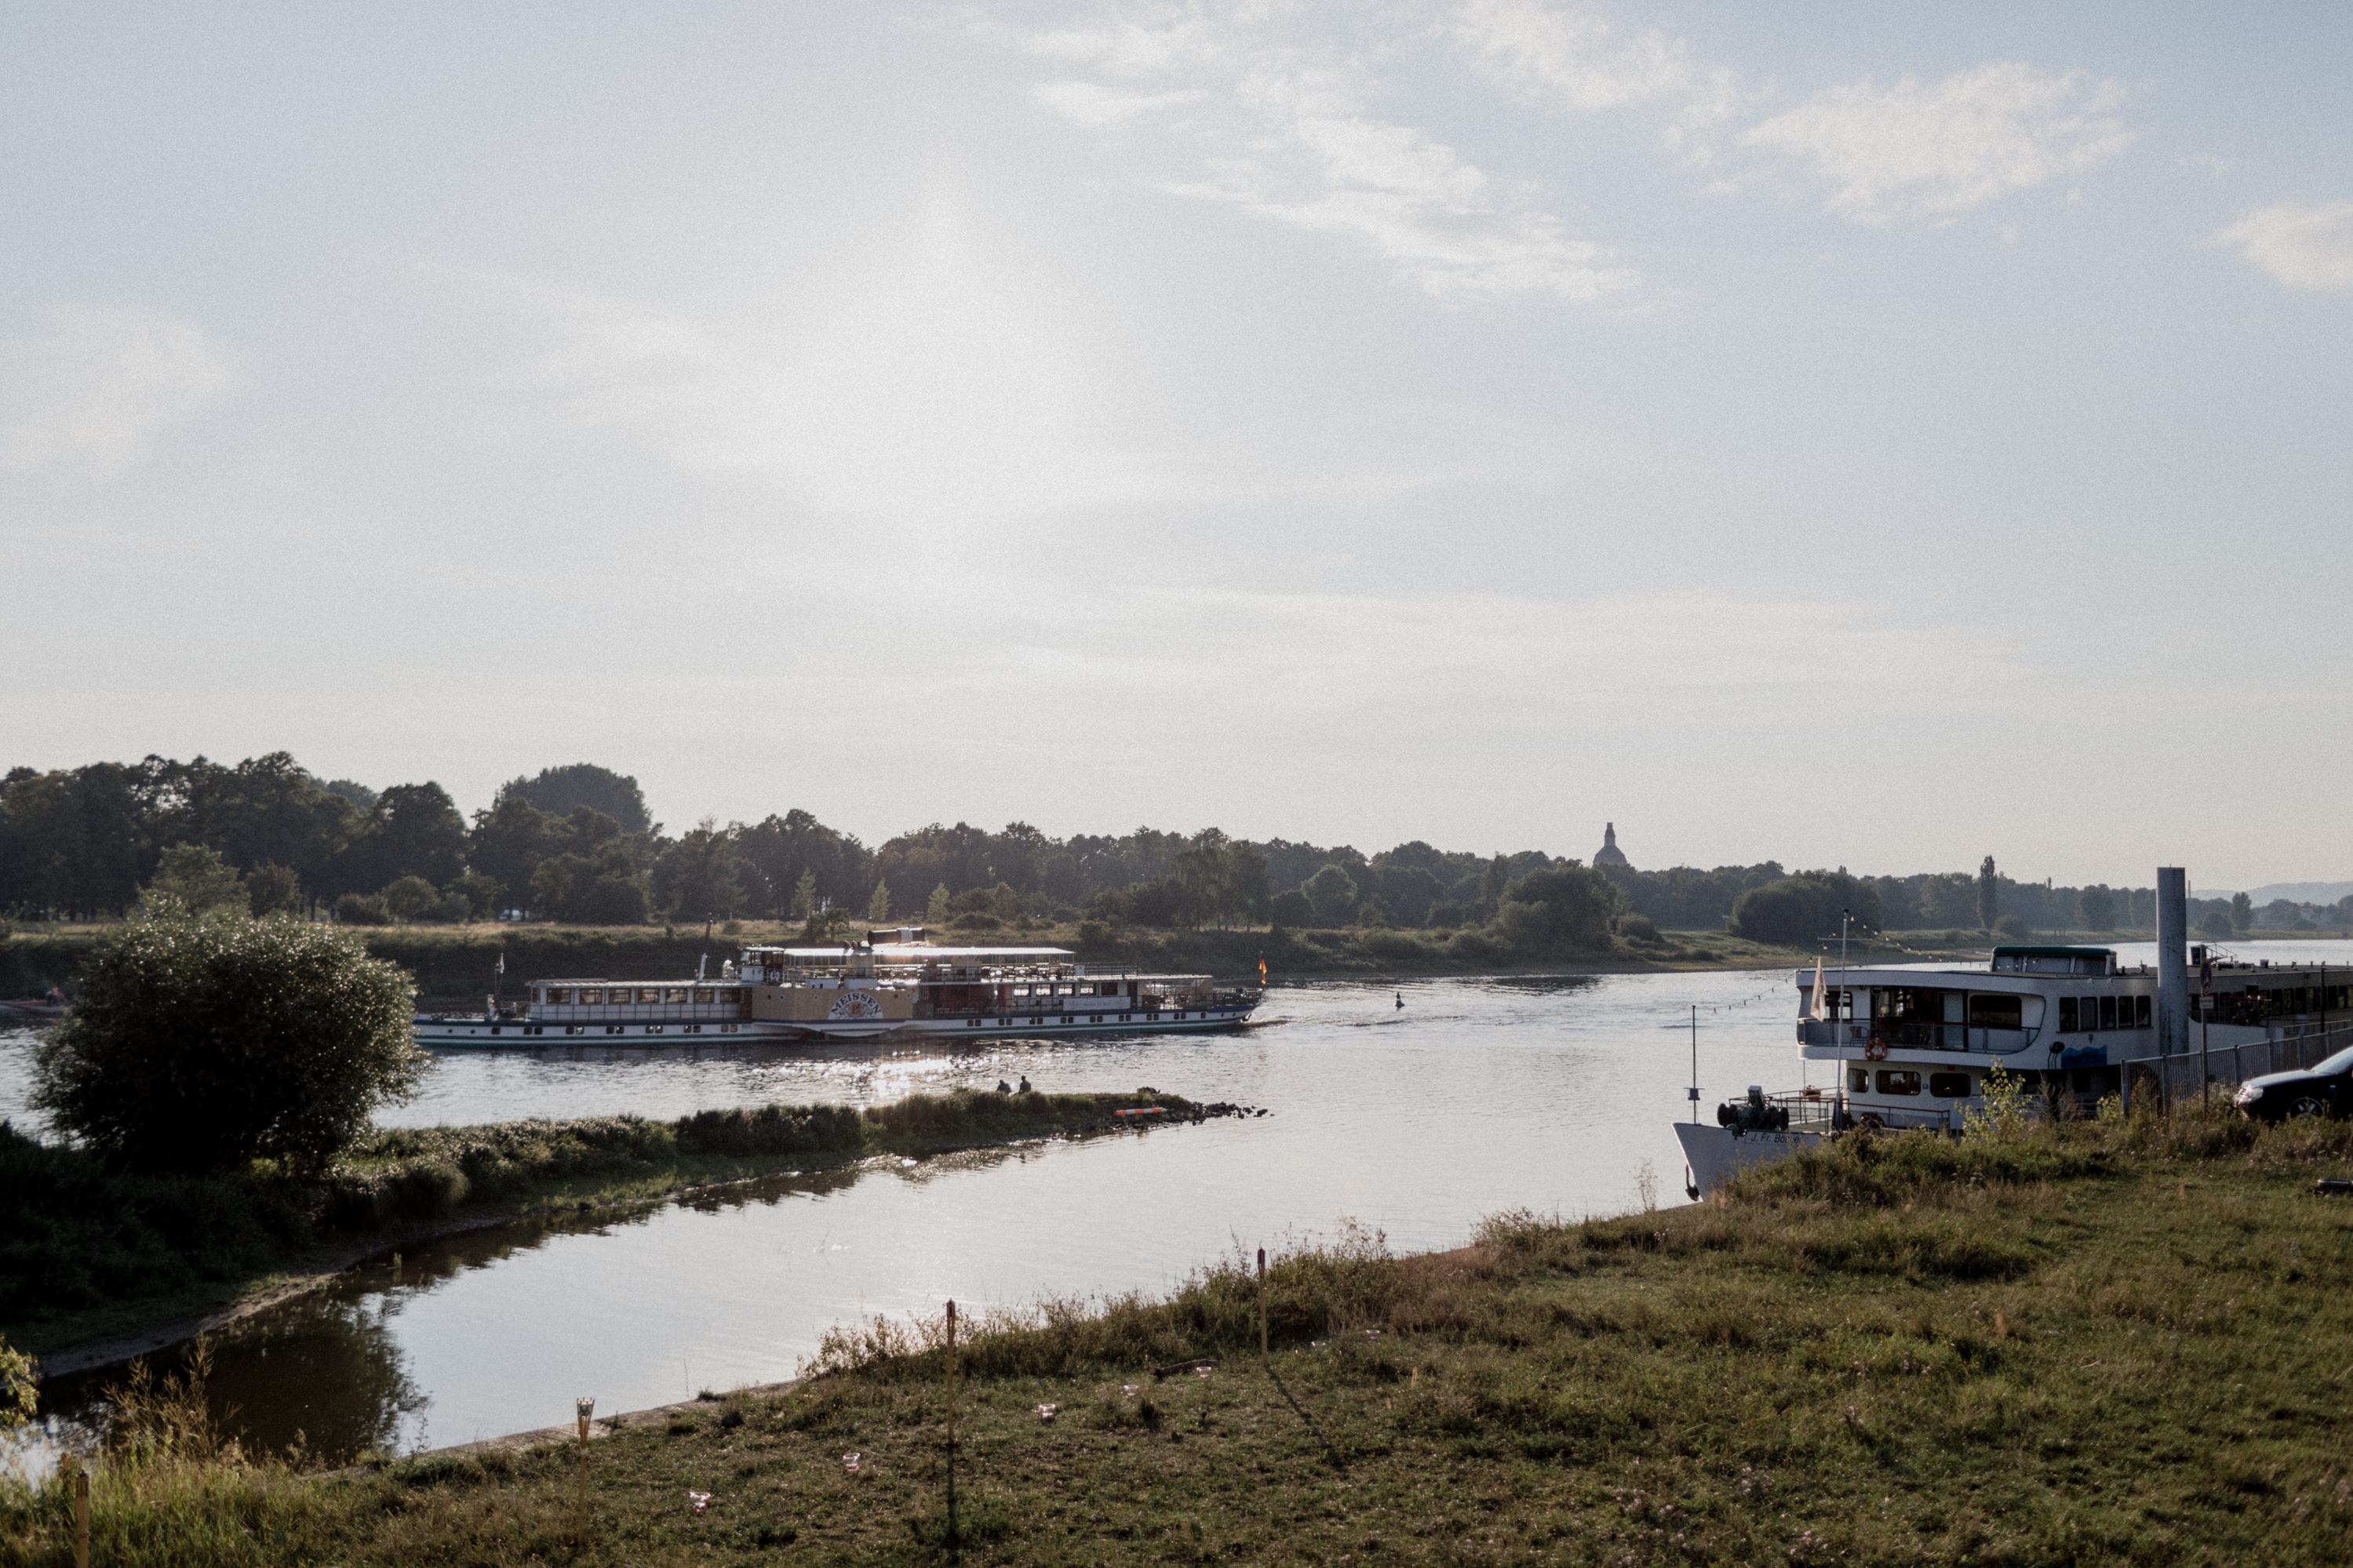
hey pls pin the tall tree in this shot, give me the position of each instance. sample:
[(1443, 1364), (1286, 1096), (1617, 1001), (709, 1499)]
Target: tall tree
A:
[(1989, 895), (557, 790)]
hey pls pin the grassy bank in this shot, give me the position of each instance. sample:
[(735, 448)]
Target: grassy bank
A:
[(458, 961), (89, 1252), (2097, 1344)]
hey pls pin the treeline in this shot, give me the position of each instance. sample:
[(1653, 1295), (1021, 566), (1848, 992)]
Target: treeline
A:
[(577, 844)]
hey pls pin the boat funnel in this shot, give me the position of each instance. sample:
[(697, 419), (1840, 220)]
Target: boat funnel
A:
[(2172, 960)]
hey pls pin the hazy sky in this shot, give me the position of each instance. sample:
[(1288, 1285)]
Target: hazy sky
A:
[(1847, 435)]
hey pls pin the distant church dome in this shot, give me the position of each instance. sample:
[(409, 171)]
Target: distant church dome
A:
[(1610, 854)]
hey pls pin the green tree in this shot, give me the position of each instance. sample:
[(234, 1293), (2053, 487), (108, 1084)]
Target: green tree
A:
[(701, 871), (1244, 885), (199, 1044), (2243, 913), (193, 880), (1291, 909), (935, 909), (1560, 909), (557, 791), (805, 896), (412, 898), (1988, 894), (271, 888), (1492, 881), (2096, 905), (1950, 898), (877, 908), (2214, 925), (1333, 894)]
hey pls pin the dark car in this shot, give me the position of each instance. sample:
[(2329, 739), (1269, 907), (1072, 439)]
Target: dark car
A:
[(2326, 1089)]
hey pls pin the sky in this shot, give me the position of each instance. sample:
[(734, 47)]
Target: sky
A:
[(1847, 436)]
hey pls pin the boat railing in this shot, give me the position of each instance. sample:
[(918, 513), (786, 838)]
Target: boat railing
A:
[(2210, 1069), (1809, 1109)]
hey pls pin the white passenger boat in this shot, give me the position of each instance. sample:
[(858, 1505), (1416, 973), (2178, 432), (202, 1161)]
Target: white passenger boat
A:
[(895, 984), (1910, 1047)]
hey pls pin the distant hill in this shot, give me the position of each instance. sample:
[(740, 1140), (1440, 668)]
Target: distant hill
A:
[(2294, 892)]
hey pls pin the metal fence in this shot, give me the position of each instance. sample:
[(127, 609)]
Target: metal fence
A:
[(2220, 1069)]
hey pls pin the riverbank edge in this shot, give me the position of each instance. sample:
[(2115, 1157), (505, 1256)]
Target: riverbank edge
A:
[(320, 1266)]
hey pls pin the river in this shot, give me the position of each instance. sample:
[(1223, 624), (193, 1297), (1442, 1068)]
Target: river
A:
[(1478, 1095)]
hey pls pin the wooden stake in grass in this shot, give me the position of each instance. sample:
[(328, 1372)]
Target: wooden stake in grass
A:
[(585, 1406), (77, 1481), (955, 1541), (1265, 1358)]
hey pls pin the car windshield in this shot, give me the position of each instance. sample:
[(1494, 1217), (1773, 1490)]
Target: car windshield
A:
[(2342, 1061)]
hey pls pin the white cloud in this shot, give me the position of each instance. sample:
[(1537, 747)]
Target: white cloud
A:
[(1090, 103), (1330, 168), (1932, 150), (2302, 246), (97, 384), (1282, 127), (1574, 57)]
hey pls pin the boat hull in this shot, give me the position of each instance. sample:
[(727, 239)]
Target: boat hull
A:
[(1716, 1154), (514, 1035)]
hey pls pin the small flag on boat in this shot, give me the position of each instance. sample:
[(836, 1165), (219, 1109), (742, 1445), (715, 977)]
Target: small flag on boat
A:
[(1821, 1007), (503, 963), (1262, 971)]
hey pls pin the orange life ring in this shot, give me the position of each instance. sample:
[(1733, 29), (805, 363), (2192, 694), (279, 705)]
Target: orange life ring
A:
[(1875, 1050)]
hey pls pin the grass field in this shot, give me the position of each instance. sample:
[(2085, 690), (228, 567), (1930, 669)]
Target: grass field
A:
[(2097, 1343)]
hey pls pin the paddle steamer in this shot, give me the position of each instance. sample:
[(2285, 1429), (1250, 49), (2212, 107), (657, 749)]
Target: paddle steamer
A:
[(894, 985)]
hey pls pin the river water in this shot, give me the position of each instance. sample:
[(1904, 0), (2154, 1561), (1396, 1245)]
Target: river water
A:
[(1478, 1095)]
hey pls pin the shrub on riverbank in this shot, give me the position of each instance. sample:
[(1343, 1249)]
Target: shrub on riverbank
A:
[(202, 1044)]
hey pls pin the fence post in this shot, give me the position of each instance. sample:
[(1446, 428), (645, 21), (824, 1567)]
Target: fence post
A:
[(954, 1540), (1265, 1359), (78, 1483), (582, 1407)]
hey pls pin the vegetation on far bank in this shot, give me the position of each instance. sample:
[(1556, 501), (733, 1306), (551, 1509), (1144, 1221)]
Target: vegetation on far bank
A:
[(2090, 1342), (90, 1249), (577, 844), (457, 964)]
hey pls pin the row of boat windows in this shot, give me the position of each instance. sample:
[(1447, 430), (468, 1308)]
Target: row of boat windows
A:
[(1922, 1004), (1071, 1018), (2089, 1014), (603, 1028), (643, 995), (2257, 1004), (1903, 1080)]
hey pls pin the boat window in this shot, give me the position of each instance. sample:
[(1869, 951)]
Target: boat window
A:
[(1894, 1082), (2067, 1015), (1994, 1011), (1949, 1085), (592, 993), (2107, 1011), (2140, 1013), (1858, 1079), (676, 994), (559, 994), (1956, 1004)]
